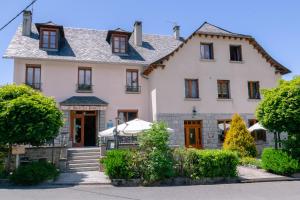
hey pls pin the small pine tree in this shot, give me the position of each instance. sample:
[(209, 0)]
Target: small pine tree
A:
[(239, 139)]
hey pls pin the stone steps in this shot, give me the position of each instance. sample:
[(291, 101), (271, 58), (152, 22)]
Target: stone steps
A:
[(83, 159)]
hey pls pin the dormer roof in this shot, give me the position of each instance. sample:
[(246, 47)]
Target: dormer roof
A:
[(52, 25), (117, 31)]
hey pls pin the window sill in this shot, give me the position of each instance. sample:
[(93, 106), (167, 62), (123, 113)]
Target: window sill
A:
[(121, 54), (192, 99), (249, 99), (223, 99), (207, 60), (236, 62), (84, 91), (47, 49), (132, 92)]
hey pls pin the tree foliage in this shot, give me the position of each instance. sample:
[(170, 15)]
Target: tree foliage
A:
[(279, 111), (27, 116), (239, 139), (155, 154)]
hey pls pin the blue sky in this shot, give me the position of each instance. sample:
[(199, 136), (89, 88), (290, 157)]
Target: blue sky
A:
[(275, 24)]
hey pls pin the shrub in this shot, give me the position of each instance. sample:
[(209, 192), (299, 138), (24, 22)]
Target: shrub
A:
[(279, 162), (179, 156), (292, 146), (34, 173), (210, 163), (156, 157), (118, 164), (249, 161), (239, 139)]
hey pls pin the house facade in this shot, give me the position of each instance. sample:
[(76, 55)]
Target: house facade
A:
[(195, 84)]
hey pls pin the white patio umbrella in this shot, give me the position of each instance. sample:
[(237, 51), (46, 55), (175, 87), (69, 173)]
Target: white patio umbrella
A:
[(131, 128), (221, 126), (256, 126)]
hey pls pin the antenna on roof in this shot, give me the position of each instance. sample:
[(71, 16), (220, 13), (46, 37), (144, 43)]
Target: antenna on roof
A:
[(172, 22)]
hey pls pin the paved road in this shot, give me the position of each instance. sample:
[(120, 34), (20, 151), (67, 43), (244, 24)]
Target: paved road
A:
[(245, 191)]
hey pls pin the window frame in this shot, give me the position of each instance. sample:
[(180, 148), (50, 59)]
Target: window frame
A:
[(130, 87), (190, 88), (223, 121), (221, 95), (78, 78), (128, 111), (33, 66), (251, 92), (42, 30), (240, 50), (113, 43), (211, 51)]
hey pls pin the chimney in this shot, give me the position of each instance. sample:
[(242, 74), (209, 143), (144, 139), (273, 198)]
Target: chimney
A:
[(137, 33), (27, 20), (176, 32)]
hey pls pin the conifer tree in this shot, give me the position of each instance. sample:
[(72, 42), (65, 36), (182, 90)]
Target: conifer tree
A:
[(239, 139)]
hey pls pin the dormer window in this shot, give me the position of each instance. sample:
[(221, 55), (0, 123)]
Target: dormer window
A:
[(118, 40), (49, 39), (52, 36), (119, 44)]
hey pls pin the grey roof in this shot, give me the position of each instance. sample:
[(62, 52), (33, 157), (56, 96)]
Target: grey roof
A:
[(83, 101), (89, 45), (213, 29)]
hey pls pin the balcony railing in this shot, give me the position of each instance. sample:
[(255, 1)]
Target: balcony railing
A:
[(84, 88), (133, 89), (36, 86)]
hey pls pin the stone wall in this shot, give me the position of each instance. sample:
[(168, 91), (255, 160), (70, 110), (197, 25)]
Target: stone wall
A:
[(57, 155), (210, 130)]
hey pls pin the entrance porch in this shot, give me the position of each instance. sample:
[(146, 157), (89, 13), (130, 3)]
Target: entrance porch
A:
[(85, 117)]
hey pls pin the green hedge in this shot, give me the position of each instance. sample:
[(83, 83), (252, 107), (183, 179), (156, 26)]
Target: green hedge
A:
[(197, 164), (279, 162), (118, 164), (34, 173)]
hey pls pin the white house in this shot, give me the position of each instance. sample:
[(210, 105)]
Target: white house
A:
[(194, 84)]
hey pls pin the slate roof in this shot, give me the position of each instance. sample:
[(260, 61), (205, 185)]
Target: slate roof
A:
[(83, 101), (213, 29), (87, 45)]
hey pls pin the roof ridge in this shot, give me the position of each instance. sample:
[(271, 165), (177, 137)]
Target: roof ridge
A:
[(219, 27)]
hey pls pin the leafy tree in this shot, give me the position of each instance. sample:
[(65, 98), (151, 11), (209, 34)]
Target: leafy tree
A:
[(279, 111), (239, 139), (156, 156), (27, 117)]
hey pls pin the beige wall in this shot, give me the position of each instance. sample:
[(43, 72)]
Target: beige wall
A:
[(168, 84), (59, 80)]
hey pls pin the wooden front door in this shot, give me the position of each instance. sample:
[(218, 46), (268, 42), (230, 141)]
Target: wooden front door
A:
[(193, 134), (83, 128)]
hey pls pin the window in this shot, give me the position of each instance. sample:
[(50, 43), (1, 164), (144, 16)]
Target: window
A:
[(206, 50), (84, 79), (49, 39), (223, 89), (251, 122), (119, 44), (191, 88), (33, 76), (132, 80), (127, 115), (258, 135), (253, 90), (235, 52), (223, 126)]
